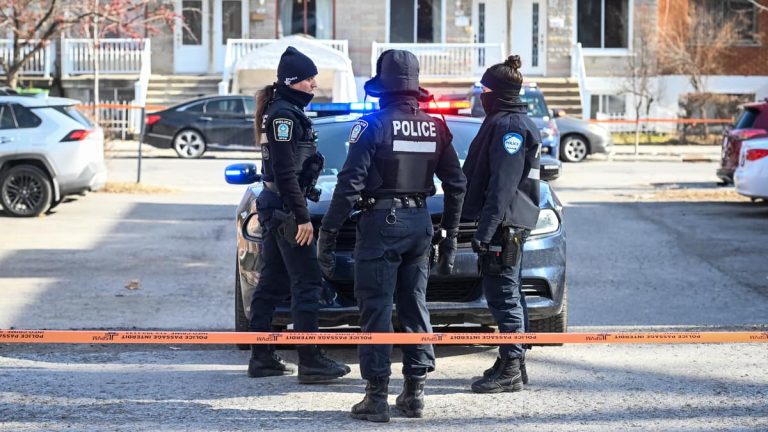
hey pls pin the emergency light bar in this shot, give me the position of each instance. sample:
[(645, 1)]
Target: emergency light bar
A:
[(338, 108)]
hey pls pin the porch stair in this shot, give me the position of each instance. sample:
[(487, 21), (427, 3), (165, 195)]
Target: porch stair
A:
[(559, 92), (167, 90)]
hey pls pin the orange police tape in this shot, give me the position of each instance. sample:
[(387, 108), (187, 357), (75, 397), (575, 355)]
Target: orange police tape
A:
[(294, 338)]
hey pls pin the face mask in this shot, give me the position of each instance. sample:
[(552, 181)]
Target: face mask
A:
[(488, 100)]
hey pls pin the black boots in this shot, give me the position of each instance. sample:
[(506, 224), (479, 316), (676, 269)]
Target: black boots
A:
[(315, 367), (411, 400), (374, 406), (523, 370), (264, 362), (505, 376)]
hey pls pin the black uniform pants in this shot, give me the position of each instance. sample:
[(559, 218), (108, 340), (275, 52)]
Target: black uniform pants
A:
[(506, 301), (285, 270), (392, 261)]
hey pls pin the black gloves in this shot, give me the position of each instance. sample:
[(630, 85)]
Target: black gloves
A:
[(326, 251), (444, 245), (479, 247)]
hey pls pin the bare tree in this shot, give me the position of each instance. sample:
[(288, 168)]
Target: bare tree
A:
[(694, 47), (35, 24), (640, 69)]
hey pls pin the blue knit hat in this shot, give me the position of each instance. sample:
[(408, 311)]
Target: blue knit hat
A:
[(294, 67)]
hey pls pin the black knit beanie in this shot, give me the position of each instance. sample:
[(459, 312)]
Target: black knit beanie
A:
[(294, 67), (498, 82)]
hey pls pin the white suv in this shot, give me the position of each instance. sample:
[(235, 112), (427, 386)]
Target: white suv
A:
[(48, 150)]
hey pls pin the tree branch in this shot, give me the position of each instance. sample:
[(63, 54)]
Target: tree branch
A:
[(759, 6)]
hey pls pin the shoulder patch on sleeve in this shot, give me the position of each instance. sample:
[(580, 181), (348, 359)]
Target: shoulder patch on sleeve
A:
[(357, 130), (283, 129), (512, 142)]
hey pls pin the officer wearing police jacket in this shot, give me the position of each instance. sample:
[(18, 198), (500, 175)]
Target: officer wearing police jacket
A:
[(393, 156), (502, 168), (290, 167)]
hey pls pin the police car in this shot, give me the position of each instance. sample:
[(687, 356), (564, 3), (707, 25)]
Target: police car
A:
[(454, 299)]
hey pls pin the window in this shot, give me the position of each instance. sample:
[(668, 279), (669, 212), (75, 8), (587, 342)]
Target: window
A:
[(192, 12), (250, 105), (6, 118), (74, 114), (742, 12), (603, 23), (194, 108), (419, 21), (231, 20), (608, 104), (225, 106), (24, 117), (309, 17)]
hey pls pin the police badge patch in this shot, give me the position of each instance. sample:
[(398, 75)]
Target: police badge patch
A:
[(283, 129), (512, 142), (357, 130)]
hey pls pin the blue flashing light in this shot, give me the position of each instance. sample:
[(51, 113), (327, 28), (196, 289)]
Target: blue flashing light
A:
[(241, 174), (342, 107)]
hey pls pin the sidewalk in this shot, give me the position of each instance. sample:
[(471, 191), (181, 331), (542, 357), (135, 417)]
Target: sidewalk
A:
[(663, 153)]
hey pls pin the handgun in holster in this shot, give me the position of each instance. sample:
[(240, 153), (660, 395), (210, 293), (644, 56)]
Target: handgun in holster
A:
[(503, 251), (288, 227)]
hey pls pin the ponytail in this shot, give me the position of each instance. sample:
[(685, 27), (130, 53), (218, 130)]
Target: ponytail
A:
[(263, 97)]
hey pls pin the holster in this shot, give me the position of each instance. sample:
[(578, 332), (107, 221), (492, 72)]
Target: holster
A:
[(503, 251), (288, 227)]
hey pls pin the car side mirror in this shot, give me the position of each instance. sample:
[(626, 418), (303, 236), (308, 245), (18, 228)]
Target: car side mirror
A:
[(242, 174)]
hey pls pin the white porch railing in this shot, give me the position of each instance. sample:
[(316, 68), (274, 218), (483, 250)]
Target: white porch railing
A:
[(41, 63), (116, 56), (446, 60), (239, 48), (579, 72)]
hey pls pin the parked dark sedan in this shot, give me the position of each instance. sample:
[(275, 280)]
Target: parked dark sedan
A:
[(192, 127), (453, 299)]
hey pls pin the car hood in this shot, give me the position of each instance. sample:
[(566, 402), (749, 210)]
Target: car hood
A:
[(327, 184)]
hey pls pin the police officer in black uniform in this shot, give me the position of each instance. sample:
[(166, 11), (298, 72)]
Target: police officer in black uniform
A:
[(393, 156), (290, 167), (502, 168)]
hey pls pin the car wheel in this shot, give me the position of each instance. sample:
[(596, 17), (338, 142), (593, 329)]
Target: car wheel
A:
[(574, 148), (553, 324), (25, 191), (189, 144), (241, 321)]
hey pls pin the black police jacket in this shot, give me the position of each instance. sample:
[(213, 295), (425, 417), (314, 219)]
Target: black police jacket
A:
[(290, 141), (502, 169), (397, 151)]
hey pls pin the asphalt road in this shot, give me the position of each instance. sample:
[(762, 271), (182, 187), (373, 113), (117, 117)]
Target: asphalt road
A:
[(166, 261)]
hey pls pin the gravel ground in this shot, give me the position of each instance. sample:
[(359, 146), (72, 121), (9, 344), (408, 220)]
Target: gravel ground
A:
[(586, 388)]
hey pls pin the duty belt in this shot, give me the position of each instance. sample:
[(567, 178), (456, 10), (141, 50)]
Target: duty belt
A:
[(398, 202)]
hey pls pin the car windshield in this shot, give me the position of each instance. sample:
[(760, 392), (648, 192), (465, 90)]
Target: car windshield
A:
[(333, 141), (536, 105)]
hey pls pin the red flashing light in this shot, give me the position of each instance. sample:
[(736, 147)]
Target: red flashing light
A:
[(446, 105)]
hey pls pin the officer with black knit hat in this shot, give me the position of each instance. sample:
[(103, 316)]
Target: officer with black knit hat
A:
[(502, 168), (291, 165), (393, 157)]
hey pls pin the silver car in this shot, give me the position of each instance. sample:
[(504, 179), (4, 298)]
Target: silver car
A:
[(580, 138)]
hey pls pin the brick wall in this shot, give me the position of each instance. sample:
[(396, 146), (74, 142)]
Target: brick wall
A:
[(361, 23), (739, 60), (454, 33)]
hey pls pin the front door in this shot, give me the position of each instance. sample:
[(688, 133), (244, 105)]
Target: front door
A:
[(230, 21), (192, 37), (528, 22)]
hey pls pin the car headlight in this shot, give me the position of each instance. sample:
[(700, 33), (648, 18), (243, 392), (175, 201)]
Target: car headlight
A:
[(545, 133), (547, 223)]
